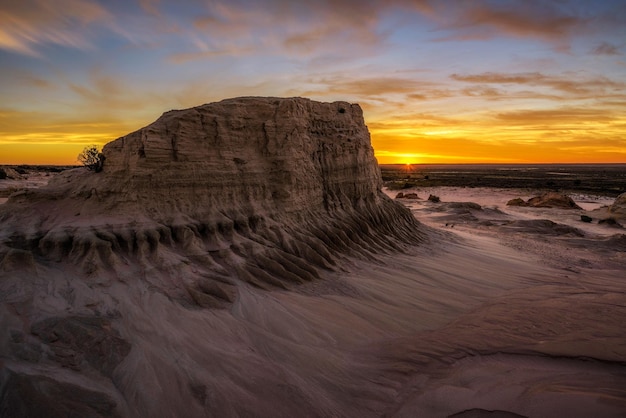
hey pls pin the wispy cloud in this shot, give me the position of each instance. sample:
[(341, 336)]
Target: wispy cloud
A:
[(27, 24), (579, 86), (204, 53), (150, 6), (560, 118), (294, 28), (529, 18), (605, 48)]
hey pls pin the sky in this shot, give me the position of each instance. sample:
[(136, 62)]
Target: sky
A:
[(439, 81)]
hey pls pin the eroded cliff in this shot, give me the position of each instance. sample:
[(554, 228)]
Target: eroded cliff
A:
[(265, 190), (198, 207)]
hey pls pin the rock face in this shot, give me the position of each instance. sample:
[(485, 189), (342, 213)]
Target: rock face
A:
[(546, 200), (243, 184), (618, 208), (9, 173), (198, 207)]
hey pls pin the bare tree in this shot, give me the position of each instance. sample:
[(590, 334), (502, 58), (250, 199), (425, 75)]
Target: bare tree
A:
[(92, 158)]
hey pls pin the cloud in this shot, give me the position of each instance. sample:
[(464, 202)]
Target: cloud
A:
[(337, 28), (483, 91), (27, 24), (605, 48), (298, 29), (561, 118), (114, 98), (185, 57), (25, 78), (150, 6), (575, 86), (521, 19), (372, 86)]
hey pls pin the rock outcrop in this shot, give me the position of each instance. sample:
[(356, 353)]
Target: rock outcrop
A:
[(9, 173), (202, 204), (618, 208), (546, 200)]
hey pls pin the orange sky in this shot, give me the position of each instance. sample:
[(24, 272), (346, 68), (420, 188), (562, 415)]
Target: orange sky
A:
[(439, 81)]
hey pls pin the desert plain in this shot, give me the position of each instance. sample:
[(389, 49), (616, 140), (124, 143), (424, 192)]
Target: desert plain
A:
[(480, 309)]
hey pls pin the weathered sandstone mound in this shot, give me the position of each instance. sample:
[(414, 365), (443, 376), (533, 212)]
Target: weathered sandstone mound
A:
[(618, 208), (265, 190), (9, 173), (194, 210), (546, 200)]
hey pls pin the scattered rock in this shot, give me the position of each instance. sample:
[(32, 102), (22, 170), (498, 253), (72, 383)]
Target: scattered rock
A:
[(433, 198), (518, 201), (546, 200), (610, 222), (586, 218), (463, 206), (542, 227), (402, 195)]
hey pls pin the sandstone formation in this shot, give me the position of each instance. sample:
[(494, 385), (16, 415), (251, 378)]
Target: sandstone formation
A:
[(198, 208), (618, 208), (546, 200), (412, 196), (9, 173)]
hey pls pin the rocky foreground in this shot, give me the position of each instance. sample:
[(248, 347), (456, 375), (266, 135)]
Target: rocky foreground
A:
[(240, 259)]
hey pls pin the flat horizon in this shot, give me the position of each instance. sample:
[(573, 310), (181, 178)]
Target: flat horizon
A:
[(380, 164)]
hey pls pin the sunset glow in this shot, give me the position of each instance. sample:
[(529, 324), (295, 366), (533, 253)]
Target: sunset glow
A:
[(439, 81)]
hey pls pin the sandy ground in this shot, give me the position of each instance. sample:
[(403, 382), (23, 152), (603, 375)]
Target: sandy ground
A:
[(30, 181), (501, 311), (549, 343)]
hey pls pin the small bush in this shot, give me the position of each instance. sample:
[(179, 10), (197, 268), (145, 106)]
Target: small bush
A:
[(92, 158)]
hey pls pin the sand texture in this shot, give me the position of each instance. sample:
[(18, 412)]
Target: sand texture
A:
[(240, 259)]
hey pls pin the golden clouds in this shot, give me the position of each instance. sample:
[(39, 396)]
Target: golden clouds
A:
[(566, 118)]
